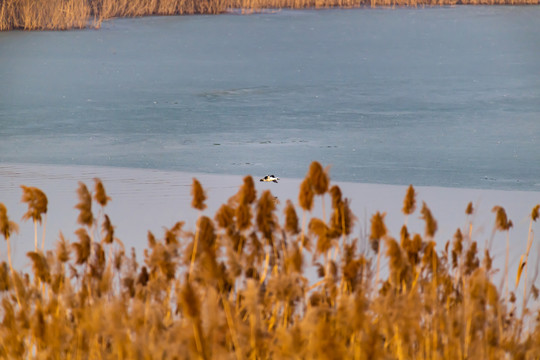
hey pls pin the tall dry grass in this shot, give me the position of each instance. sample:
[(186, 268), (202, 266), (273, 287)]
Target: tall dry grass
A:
[(44, 14), (245, 292), (76, 14)]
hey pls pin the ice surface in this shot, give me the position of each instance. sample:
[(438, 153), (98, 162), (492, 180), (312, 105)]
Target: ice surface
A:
[(439, 97)]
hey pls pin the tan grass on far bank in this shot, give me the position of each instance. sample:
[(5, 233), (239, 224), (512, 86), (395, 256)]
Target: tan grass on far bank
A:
[(77, 14)]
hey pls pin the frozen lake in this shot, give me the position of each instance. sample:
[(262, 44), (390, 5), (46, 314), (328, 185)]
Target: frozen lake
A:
[(439, 96)]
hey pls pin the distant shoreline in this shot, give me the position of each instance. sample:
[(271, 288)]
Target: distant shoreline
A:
[(82, 14)]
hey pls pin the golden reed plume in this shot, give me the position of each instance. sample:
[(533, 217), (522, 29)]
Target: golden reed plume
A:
[(319, 178), (431, 223), (198, 195), (409, 203), (100, 194), (501, 220), (86, 217), (37, 206), (305, 198), (291, 219), (37, 203), (7, 227)]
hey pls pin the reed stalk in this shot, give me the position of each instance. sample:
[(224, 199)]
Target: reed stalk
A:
[(9, 255), (530, 235), (199, 197), (43, 232), (35, 236), (194, 252)]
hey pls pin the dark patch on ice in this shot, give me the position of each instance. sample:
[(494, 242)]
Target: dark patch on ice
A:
[(235, 92)]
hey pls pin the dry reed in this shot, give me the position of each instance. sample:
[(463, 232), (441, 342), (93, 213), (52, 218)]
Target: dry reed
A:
[(37, 206), (409, 203), (7, 227), (86, 217), (222, 302), (198, 195), (100, 195)]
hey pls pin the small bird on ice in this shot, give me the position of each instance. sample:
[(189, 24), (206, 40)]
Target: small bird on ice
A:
[(270, 178)]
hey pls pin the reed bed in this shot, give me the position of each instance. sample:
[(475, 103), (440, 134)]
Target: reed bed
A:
[(77, 14), (46, 14), (237, 286), (70, 14)]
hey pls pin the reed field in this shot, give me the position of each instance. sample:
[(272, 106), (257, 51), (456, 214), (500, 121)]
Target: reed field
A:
[(237, 286), (76, 14)]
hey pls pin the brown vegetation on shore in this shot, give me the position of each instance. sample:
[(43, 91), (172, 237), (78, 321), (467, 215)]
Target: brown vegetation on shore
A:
[(44, 15), (244, 293), (77, 14)]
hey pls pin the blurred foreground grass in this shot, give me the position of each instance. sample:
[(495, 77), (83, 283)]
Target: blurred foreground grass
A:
[(237, 286)]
